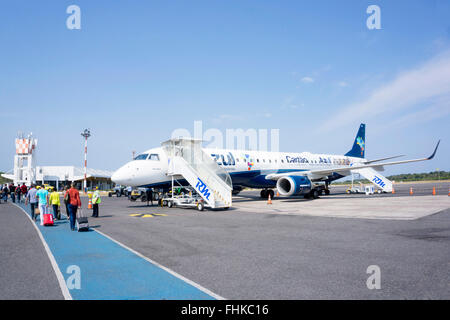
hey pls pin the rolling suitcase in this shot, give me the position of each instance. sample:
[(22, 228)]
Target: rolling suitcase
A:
[(48, 219), (82, 223)]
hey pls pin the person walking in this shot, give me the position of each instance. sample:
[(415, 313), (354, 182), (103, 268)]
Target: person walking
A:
[(66, 201), (5, 192), (24, 189), (55, 203), (18, 193), (32, 199), (12, 192), (96, 200), (74, 204), (42, 196)]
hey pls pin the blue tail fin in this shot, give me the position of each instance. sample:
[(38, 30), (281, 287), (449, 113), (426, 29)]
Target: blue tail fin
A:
[(359, 146)]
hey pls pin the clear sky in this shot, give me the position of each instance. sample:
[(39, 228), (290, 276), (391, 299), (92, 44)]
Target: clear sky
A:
[(137, 70)]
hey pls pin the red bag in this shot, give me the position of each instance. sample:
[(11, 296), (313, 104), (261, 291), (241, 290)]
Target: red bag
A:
[(48, 219)]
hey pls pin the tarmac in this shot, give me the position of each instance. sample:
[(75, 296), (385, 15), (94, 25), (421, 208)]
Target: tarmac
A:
[(291, 249)]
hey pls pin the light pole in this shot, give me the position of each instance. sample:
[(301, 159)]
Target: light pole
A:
[(86, 134)]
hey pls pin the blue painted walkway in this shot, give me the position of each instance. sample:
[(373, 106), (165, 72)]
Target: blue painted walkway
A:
[(109, 271)]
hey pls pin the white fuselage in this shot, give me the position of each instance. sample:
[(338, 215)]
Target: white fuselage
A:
[(246, 168)]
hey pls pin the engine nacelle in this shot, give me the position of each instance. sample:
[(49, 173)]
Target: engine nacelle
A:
[(293, 185)]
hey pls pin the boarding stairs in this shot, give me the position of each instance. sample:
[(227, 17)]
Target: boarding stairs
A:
[(188, 160), (375, 177)]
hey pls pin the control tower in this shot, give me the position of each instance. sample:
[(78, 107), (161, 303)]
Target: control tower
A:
[(25, 160)]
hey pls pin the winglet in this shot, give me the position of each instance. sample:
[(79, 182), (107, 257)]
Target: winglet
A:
[(435, 149)]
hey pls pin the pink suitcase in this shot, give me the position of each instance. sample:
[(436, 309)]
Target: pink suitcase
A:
[(48, 219)]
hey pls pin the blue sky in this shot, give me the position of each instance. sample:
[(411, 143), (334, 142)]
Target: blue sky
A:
[(137, 70)]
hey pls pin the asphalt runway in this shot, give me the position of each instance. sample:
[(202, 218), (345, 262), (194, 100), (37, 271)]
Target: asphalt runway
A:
[(26, 271), (242, 255), (257, 255)]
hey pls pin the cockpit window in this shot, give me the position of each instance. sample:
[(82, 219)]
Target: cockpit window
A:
[(141, 156), (154, 157)]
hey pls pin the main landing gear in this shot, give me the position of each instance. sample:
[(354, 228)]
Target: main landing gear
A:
[(266, 192)]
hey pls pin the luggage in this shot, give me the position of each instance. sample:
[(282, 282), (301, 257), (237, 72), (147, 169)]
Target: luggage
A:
[(82, 223), (48, 219)]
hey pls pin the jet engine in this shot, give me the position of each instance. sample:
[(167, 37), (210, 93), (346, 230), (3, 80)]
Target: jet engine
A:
[(293, 185)]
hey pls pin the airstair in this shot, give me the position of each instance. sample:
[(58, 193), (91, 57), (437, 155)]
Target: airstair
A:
[(187, 160), (376, 178)]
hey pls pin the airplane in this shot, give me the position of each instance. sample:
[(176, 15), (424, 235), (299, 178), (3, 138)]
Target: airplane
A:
[(291, 174)]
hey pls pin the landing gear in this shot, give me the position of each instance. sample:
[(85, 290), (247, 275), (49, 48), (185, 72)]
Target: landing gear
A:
[(313, 194), (265, 194)]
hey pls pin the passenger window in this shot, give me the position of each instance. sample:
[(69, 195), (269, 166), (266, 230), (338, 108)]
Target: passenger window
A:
[(141, 156), (154, 157)]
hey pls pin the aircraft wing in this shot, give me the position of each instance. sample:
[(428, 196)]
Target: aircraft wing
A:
[(346, 170)]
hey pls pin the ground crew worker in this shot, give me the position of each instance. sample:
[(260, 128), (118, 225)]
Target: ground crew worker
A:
[(95, 202), (149, 195), (55, 203)]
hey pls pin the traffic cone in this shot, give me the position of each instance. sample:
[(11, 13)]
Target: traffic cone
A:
[(269, 201), (411, 191), (393, 190), (90, 204), (278, 194), (434, 191)]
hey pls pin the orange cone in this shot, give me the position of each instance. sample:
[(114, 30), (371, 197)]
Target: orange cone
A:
[(269, 201), (393, 190), (90, 204), (278, 194), (449, 192), (411, 191), (434, 191)]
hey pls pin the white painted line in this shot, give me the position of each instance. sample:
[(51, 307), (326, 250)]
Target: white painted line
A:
[(59, 276), (179, 276)]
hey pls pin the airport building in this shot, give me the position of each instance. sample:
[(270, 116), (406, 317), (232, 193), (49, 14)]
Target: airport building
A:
[(26, 171)]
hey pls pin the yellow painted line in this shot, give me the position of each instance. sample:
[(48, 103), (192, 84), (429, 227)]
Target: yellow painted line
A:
[(136, 215), (147, 216), (160, 214)]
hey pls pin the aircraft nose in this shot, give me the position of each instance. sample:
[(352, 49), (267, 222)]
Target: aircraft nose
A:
[(119, 176)]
